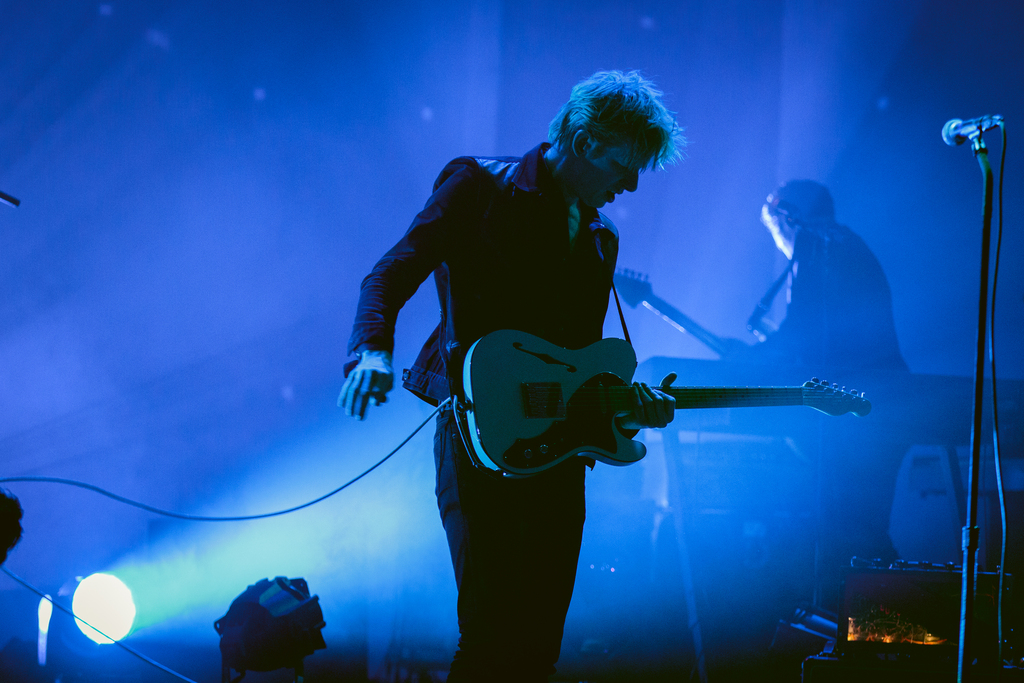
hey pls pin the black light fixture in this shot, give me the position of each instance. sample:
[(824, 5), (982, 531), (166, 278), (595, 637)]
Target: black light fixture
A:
[(274, 624), (10, 521)]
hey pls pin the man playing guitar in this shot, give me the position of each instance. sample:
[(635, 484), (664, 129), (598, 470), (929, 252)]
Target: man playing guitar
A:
[(516, 243)]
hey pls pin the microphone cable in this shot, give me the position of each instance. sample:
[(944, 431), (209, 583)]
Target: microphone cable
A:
[(997, 458), (235, 518)]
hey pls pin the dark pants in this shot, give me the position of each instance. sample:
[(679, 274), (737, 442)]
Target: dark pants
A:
[(514, 544)]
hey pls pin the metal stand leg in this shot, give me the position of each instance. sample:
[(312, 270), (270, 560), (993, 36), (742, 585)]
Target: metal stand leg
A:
[(674, 465)]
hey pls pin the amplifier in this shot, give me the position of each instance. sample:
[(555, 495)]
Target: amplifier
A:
[(911, 611)]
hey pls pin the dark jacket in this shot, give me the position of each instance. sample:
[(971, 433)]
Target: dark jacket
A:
[(495, 234)]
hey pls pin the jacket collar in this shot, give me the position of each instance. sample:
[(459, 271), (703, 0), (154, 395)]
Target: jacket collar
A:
[(533, 174)]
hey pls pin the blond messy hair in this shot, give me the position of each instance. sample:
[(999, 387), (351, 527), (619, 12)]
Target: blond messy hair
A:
[(616, 107)]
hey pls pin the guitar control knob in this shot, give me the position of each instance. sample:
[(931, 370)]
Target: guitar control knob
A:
[(543, 449), (528, 453)]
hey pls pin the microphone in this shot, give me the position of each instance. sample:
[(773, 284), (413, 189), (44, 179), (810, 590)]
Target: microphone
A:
[(956, 131)]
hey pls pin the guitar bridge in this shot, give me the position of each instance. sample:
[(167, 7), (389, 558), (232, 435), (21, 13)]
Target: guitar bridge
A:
[(543, 400)]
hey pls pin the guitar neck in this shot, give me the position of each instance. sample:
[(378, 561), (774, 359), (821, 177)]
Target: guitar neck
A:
[(736, 397), (621, 398), (684, 323)]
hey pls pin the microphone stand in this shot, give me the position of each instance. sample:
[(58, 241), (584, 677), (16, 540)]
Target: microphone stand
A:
[(969, 534)]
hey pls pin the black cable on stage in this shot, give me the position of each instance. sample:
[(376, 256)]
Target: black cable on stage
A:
[(62, 608), (239, 518)]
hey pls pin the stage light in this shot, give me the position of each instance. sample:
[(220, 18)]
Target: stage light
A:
[(45, 612), (105, 602), (273, 624)]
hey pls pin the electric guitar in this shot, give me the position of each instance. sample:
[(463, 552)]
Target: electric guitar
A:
[(636, 290), (529, 404)]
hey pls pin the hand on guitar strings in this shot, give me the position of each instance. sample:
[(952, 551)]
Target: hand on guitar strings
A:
[(368, 383), (653, 407)]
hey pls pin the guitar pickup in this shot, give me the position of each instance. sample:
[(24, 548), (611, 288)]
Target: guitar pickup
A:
[(543, 400)]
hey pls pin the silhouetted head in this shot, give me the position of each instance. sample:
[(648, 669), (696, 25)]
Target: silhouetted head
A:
[(803, 202), (616, 108), (797, 205), (613, 128)]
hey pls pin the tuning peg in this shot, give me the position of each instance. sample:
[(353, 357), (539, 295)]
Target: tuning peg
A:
[(816, 380)]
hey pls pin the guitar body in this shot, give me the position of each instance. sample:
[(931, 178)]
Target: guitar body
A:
[(520, 417)]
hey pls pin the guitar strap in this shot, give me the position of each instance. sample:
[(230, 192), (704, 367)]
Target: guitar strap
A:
[(599, 231), (622, 318)]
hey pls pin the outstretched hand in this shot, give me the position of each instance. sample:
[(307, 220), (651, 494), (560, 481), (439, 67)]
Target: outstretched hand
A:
[(653, 407), (367, 384)]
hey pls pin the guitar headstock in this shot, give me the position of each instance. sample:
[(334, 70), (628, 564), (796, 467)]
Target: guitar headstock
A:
[(632, 286), (833, 399)]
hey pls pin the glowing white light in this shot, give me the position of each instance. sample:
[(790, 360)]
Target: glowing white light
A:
[(106, 603), (45, 612)]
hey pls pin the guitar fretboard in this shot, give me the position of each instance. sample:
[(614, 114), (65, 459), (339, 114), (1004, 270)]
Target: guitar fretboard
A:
[(616, 399)]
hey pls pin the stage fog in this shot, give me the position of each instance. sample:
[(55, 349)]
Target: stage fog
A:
[(203, 187)]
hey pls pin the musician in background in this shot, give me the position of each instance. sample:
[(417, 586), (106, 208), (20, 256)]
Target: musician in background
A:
[(515, 243), (838, 323), (10, 523), (839, 305)]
